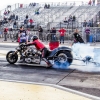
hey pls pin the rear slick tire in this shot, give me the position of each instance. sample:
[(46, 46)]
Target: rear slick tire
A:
[(63, 60)]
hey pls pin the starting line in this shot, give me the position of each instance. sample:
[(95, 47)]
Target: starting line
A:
[(11, 90)]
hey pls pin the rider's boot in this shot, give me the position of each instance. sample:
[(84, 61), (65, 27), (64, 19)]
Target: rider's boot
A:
[(48, 62)]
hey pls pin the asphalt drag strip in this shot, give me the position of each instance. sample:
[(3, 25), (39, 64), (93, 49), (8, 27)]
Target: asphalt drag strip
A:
[(87, 82)]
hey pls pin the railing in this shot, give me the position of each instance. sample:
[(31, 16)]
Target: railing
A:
[(46, 34), (94, 33), (68, 3), (52, 4)]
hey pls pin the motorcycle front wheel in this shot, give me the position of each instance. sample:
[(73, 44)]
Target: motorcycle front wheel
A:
[(11, 57), (63, 60)]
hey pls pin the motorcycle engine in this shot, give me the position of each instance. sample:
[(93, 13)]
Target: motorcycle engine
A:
[(28, 60), (30, 55)]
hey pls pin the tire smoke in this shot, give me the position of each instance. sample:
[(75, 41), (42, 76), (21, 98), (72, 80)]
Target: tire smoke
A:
[(59, 65), (87, 59), (81, 51)]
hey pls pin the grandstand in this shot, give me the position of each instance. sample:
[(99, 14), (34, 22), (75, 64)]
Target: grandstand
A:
[(54, 16)]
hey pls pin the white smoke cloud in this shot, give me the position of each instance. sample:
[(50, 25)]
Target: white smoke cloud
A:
[(81, 51)]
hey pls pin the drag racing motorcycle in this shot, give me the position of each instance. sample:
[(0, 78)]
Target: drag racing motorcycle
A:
[(32, 56)]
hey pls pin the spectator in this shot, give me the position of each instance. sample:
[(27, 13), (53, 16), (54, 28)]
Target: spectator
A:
[(53, 34), (5, 12), (37, 12), (70, 18), (48, 6), (31, 22), (26, 16), (77, 37), (34, 24), (87, 31), (84, 23), (26, 23), (74, 18), (40, 30), (62, 34), (30, 4), (10, 18), (9, 6), (5, 34), (34, 4), (89, 3), (16, 17), (5, 20), (65, 20), (48, 34), (45, 6), (13, 17), (89, 24), (8, 11), (15, 24), (93, 2)]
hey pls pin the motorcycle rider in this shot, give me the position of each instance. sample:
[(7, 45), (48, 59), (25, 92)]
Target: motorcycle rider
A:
[(41, 47)]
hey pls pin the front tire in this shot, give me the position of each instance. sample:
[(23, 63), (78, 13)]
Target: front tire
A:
[(63, 60), (11, 57)]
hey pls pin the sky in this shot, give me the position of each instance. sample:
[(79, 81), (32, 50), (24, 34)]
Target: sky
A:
[(4, 3)]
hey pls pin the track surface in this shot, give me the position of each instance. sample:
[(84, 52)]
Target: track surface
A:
[(87, 82), (81, 81)]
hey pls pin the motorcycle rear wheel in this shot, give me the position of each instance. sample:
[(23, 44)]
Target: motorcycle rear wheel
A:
[(63, 60), (11, 57)]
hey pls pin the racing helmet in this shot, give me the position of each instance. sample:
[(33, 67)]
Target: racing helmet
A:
[(35, 38)]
